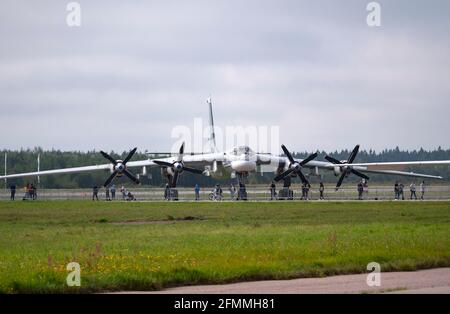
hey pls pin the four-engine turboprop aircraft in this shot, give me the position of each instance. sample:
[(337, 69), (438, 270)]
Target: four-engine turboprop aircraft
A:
[(239, 162)]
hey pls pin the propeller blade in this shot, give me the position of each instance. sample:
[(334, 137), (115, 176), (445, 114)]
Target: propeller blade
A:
[(353, 154), (130, 155), (359, 174), (193, 170), (283, 175), (131, 176), (302, 177), (339, 183), (163, 163), (111, 177), (308, 159), (112, 160), (175, 179), (288, 154), (333, 160), (180, 155)]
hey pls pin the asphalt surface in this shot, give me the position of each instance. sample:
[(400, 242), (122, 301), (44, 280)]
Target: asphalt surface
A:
[(424, 281)]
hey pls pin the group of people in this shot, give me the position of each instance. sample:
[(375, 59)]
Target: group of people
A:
[(399, 191), (216, 194), (30, 192), (110, 193)]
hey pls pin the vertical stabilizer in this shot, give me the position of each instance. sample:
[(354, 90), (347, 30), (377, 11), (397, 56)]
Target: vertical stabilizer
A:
[(212, 134)]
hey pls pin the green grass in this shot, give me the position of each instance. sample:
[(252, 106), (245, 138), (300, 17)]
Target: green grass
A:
[(196, 243)]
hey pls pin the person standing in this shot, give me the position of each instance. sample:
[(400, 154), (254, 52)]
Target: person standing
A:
[(401, 187), (360, 189), (12, 187), (422, 190), (412, 189), (307, 188), (396, 193), (95, 192), (321, 190), (34, 191), (167, 192), (197, 192), (273, 193), (113, 192), (303, 191), (107, 198), (27, 192), (218, 192), (232, 192), (365, 188)]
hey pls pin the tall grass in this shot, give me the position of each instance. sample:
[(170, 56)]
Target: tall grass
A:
[(148, 246)]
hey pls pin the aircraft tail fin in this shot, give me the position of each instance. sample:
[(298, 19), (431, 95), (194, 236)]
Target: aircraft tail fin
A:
[(212, 135)]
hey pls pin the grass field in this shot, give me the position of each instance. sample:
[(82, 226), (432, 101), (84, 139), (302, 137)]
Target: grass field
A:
[(169, 244)]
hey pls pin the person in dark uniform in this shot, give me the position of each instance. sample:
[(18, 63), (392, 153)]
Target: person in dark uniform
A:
[(12, 187), (95, 193)]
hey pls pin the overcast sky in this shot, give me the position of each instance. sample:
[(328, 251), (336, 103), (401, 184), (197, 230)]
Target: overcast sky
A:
[(135, 69)]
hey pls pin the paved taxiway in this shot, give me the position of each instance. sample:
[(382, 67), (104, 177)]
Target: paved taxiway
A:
[(423, 281)]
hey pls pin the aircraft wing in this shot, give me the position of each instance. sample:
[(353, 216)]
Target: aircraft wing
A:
[(401, 164), (395, 168), (401, 173), (130, 164)]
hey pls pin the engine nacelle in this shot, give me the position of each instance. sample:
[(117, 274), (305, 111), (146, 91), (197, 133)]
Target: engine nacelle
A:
[(166, 171), (337, 171), (243, 165)]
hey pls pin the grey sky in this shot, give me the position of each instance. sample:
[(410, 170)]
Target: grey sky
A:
[(135, 69)]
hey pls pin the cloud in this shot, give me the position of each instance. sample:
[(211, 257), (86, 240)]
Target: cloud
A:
[(134, 71)]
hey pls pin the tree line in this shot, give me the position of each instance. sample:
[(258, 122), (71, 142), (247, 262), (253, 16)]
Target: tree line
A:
[(25, 160)]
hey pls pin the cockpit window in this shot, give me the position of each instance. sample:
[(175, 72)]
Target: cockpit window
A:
[(241, 150)]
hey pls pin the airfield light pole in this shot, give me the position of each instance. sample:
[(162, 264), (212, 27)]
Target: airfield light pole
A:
[(6, 162), (38, 168)]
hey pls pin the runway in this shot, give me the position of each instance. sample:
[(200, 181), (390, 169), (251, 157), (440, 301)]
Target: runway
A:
[(423, 281)]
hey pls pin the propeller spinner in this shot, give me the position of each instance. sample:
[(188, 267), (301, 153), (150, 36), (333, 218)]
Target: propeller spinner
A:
[(120, 167)]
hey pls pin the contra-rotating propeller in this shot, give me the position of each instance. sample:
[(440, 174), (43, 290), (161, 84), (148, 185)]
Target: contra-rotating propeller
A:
[(120, 167), (345, 168), (295, 166), (177, 167)]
